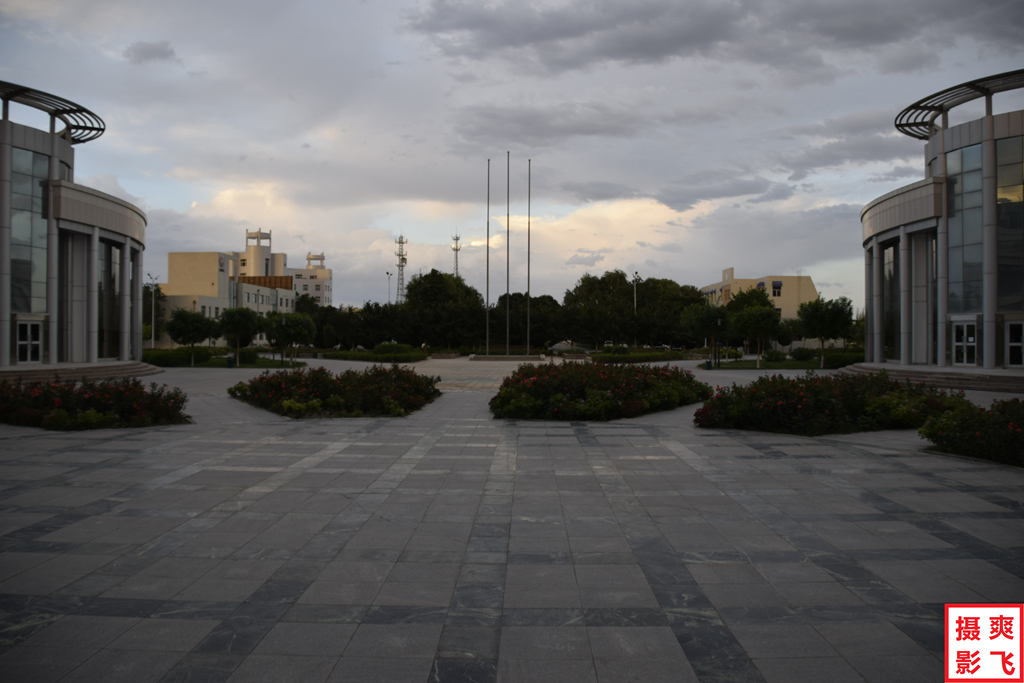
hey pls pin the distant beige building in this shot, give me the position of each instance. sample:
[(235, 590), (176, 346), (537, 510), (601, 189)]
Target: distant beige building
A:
[(209, 282), (787, 292)]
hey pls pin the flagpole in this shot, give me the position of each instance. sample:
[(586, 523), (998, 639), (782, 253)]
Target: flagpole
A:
[(508, 260), (487, 309), (529, 185)]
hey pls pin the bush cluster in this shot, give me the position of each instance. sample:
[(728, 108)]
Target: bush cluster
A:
[(835, 404), (996, 433), (773, 356), (67, 404), (802, 353), (176, 358), (588, 391), (317, 392), (840, 359)]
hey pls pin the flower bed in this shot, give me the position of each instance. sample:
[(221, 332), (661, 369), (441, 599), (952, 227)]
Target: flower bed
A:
[(835, 404), (993, 434), (67, 404), (316, 392), (589, 391)]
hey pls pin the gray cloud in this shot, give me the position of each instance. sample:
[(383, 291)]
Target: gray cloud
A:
[(546, 124), (777, 192), (897, 173), (143, 52), (585, 258), (783, 34), (686, 193), (597, 190)]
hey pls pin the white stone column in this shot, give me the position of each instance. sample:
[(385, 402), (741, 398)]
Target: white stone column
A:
[(137, 304), (92, 306), (869, 308), (876, 291), (5, 239), (124, 294), (942, 259), (52, 253), (990, 236), (905, 298)]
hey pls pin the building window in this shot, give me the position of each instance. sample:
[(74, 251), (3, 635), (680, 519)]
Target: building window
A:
[(203, 310), (965, 221), (776, 291), (317, 288), (243, 265), (218, 312), (312, 277), (298, 276), (1010, 221), (305, 288), (318, 299)]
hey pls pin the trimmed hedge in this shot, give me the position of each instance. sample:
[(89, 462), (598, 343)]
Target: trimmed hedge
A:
[(995, 433), (72, 405), (840, 359), (624, 356), (835, 404), (372, 357), (316, 392), (588, 391), (802, 353)]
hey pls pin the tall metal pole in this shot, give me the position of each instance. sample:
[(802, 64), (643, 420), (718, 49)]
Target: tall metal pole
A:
[(508, 260), (388, 273), (529, 185), (152, 312), (636, 276), (487, 309)]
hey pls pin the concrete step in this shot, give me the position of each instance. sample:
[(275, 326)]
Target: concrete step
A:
[(89, 371), (945, 379)]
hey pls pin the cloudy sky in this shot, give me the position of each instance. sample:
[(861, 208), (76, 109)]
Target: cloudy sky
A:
[(670, 137)]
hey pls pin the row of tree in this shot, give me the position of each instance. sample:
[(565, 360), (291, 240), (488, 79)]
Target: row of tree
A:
[(442, 311)]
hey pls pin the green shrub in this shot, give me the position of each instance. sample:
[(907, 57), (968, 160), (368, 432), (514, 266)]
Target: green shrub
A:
[(639, 357), (377, 390), (802, 353), (201, 354), (67, 404), (996, 433), (372, 357), (840, 359), (164, 358), (589, 391), (248, 356), (836, 404), (220, 350), (773, 356), (388, 348)]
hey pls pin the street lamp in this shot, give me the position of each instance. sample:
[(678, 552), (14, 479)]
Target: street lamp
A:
[(389, 287), (152, 311), (718, 354)]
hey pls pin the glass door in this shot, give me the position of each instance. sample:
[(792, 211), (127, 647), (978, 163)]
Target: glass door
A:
[(1015, 344), (30, 342), (965, 344)]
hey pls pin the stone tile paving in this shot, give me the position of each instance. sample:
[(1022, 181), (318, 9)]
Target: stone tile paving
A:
[(452, 547)]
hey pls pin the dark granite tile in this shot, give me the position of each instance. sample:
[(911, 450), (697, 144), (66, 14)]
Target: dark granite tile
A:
[(184, 609), (235, 636), (383, 614), (543, 617), (539, 558), (473, 616), (478, 595), (279, 592), (624, 616), (203, 668), (120, 607), (446, 670), (325, 614)]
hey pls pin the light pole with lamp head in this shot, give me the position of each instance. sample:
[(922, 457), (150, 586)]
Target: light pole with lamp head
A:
[(636, 277), (389, 286)]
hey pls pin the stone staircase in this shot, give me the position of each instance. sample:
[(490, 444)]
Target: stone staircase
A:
[(90, 371), (946, 378)]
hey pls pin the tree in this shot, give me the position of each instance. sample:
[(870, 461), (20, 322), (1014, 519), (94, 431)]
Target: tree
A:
[(286, 330), (749, 298), (757, 323), (188, 328), (706, 321), (600, 308), (304, 303), (826, 319), (239, 326), (442, 310)]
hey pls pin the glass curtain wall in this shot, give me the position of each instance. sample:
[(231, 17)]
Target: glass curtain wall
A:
[(109, 300), (1010, 217), (29, 186), (963, 176), (891, 302)]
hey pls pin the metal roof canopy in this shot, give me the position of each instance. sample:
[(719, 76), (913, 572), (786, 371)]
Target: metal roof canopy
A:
[(918, 119), (81, 124)]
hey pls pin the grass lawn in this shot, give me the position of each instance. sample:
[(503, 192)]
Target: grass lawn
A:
[(222, 362)]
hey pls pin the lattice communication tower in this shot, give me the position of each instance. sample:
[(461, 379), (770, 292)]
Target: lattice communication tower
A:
[(456, 249), (400, 286)]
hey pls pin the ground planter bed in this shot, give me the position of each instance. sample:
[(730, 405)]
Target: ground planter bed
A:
[(378, 390), (593, 391), (69, 404)]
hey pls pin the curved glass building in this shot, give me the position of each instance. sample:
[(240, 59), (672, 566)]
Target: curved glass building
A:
[(70, 256), (944, 257)]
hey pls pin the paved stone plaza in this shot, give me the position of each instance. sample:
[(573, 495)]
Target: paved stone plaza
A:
[(449, 546)]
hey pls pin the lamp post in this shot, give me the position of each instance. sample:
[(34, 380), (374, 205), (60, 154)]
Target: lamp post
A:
[(152, 324), (389, 286), (718, 354)]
